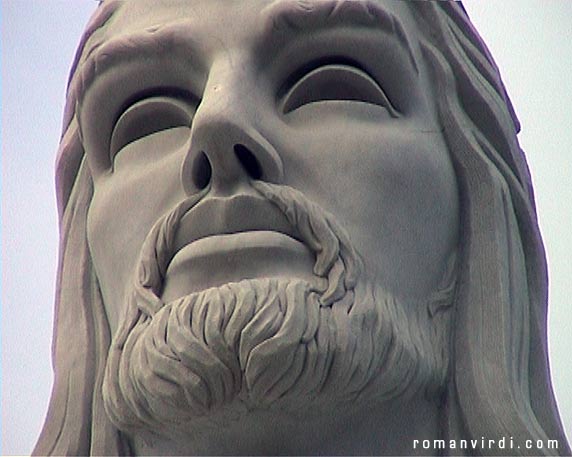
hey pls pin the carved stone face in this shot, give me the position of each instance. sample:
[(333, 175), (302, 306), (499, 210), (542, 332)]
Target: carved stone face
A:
[(210, 94), (273, 229), (294, 143)]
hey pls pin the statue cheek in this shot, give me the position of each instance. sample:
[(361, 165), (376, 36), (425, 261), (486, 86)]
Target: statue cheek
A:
[(395, 191), (125, 205), (102, 237)]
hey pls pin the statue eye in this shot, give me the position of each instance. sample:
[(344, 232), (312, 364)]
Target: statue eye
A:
[(148, 116), (336, 82)]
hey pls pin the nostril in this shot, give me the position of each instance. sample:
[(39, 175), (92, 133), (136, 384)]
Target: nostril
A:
[(201, 171), (248, 161)]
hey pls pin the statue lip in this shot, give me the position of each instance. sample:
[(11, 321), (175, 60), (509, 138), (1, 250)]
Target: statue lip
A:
[(220, 259), (227, 215), (222, 240)]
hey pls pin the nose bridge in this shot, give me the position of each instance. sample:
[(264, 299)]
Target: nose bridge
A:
[(223, 128)]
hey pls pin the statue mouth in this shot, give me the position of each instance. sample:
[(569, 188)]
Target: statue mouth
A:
[(239, 213), (222, 240)]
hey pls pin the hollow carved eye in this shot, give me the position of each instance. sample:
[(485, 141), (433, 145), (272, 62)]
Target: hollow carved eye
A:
[(339, 82), (148, 116)]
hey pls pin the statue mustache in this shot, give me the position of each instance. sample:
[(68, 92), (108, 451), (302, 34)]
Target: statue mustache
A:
[(337, 262)]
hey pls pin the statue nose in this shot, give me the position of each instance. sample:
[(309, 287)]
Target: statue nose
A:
[(226, 151)]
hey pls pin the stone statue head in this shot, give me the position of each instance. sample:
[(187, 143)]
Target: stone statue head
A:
[(294, 227)]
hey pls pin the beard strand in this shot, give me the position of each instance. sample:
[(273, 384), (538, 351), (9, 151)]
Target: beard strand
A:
[(266, 343)]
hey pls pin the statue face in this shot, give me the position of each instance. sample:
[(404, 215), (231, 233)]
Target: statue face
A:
[(337, 107)]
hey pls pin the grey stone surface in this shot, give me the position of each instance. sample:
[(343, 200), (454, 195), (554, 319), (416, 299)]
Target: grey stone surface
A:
[(294, 228)]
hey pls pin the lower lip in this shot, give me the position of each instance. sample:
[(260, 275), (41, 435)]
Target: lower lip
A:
[(220, 259)]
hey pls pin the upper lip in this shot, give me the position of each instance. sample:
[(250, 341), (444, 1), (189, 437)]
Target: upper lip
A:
[(227, 215)]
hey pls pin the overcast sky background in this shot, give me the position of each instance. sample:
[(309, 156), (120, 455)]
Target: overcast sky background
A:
[(531, 41)]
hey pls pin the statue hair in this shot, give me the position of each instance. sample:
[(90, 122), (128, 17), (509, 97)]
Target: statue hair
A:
[(499, 380)]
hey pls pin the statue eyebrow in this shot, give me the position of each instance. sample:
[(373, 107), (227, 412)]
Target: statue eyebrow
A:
[(294, 16), (153, 41)]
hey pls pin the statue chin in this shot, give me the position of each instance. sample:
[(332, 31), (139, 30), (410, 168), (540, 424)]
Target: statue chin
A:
[(286, 346)]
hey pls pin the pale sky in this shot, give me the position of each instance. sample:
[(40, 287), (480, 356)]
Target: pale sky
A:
[(531, 41)]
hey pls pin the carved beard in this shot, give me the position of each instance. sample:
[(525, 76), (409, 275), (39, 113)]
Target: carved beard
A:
[(270, 342)]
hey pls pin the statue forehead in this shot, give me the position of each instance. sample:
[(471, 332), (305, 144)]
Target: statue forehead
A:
[(147, 14), (208, 25), (130, 28)]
